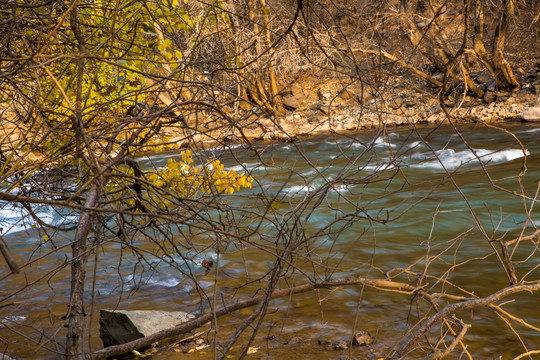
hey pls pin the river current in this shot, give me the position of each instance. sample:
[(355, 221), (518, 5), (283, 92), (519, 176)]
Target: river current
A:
[(411, 192)]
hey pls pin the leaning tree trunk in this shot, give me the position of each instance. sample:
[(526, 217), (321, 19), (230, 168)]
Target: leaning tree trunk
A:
[(268, 43), (495, 62), (435, 49)]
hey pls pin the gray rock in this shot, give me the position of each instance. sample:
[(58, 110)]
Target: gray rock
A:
[(396, 103), (483, 78), (316, 106), (333, 343), (293, 102), (435, 109), (532, 88), (323, 96), (345, 94), (450, 101), (531, 114), (489, 97), (5, 357), (121, 326)]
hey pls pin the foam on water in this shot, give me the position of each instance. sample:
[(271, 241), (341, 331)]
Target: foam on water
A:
[(530, 131), (451, 159), (308, 173), (299, 189), (10, 319), (358, 145), (380, 167), (308, 188), (247, 167), (168, 282), (380, 142), (339, 188), (15, 218), (415, 144), (11, 218)]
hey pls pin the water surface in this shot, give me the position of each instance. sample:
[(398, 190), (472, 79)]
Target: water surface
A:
[(387, 204)]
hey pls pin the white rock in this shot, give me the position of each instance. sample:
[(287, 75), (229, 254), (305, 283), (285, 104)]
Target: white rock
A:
[(531, 114)]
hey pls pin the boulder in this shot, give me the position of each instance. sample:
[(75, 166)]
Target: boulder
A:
[(490, 96), (122, 326), (292, 102), (532, 113)]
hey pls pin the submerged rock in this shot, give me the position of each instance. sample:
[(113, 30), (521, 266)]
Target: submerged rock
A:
[(362, 338), (122, 326), (333, 343)]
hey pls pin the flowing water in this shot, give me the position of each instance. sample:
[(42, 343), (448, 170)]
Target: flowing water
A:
[(393, 203)]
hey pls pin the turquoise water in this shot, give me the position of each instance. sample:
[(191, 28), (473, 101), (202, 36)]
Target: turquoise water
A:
[(382, 204)]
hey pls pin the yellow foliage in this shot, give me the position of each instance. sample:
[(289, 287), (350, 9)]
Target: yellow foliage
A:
[(184, 179), (181, 178)]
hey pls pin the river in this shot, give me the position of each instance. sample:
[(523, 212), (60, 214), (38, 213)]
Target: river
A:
[(379, 203)]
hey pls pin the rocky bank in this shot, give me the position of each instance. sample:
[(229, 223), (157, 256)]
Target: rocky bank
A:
[(329, 105)]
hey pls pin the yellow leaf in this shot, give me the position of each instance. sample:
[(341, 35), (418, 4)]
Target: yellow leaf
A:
[(275, 205), (252, 350)]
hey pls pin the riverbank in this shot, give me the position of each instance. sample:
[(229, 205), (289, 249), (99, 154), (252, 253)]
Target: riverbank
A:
[(320, 106)]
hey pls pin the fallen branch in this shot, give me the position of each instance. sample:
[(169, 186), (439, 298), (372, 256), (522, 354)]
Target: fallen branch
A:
[(386, 285), (10, 260), (205, 318), (464, 305)]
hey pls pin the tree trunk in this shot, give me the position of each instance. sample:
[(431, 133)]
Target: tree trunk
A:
[(268, 43), (436, 50), (495, 61), (76, 314)]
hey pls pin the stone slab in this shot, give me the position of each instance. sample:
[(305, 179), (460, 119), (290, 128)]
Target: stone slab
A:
[(122, 326)]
